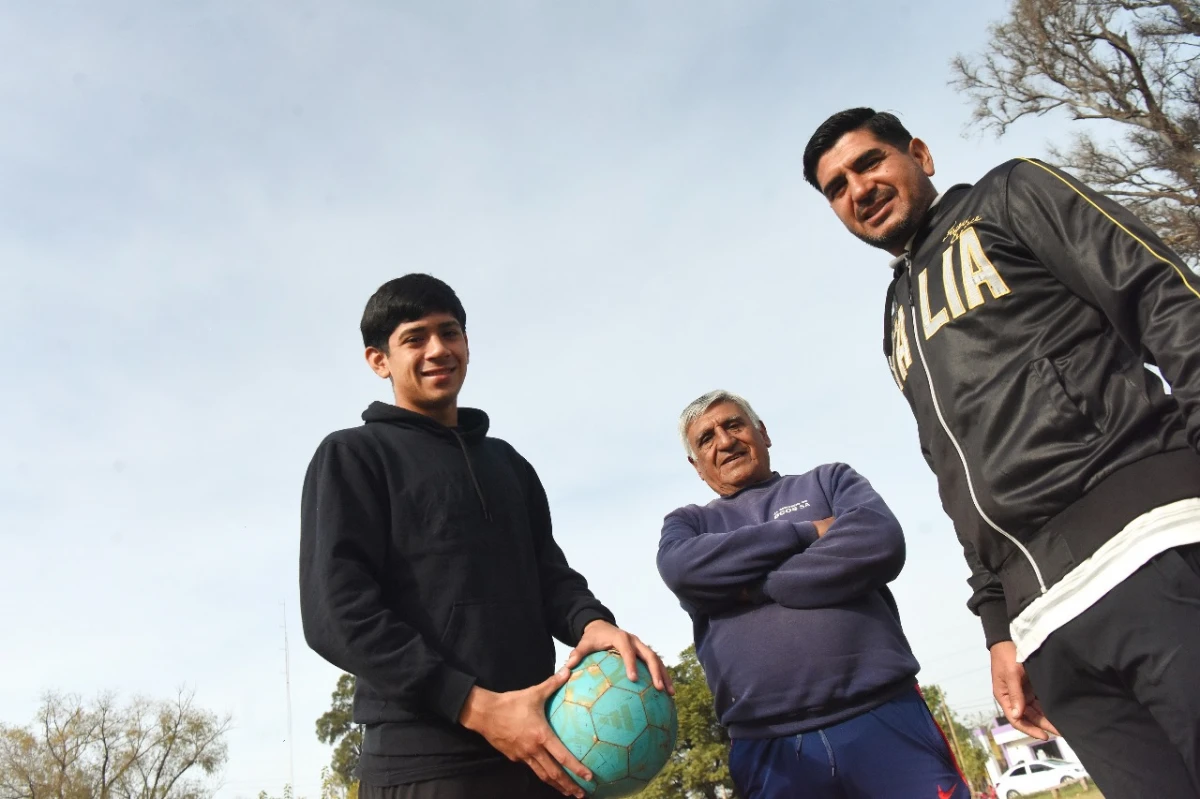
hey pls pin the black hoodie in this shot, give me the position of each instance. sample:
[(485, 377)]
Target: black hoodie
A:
[(427, 566)]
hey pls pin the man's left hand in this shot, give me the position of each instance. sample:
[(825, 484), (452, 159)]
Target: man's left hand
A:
[(1014, 693), (600, 636)]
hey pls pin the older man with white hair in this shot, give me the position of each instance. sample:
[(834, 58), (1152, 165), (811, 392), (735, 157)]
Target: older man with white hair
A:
[(785, 578)]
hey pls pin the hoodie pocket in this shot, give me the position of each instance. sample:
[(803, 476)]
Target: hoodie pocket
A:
[(503, 643)]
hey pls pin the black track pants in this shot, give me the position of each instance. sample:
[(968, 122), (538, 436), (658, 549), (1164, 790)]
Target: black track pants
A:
[(1121, 682)]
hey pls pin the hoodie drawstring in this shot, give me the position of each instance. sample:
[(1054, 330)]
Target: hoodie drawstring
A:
[(471, 471)]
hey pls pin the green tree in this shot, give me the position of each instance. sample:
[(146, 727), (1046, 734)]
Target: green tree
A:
[(336, 727), (700, 765), (1130, 63), (332, 787), (287, 794), (147, 749), (967, 750)]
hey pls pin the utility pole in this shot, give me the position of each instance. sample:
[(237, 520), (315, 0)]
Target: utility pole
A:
[(953, 733), (997, 752)]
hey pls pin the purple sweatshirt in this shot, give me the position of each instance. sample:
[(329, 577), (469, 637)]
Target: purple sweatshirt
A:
[(795, 632)]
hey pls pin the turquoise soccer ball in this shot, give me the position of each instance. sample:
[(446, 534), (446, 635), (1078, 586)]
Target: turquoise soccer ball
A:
[(624, 732)]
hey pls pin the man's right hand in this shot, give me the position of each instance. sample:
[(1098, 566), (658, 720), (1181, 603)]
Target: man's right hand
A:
[(1012, 690), (822, 525), (515, 723)]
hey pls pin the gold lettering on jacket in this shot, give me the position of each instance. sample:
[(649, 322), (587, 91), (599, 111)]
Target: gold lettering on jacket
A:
[(975, 271), (901, 358)]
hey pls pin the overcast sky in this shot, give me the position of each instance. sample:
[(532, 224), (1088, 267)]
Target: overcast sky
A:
[(198, 198)]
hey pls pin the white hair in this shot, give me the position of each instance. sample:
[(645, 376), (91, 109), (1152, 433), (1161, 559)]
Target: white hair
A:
[(697, 407)]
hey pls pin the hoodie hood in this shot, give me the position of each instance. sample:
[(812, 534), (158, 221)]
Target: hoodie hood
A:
[(472, 422)]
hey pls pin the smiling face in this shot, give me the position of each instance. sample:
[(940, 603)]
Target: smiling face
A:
[(878, 190), (426, 361), (730, 452)]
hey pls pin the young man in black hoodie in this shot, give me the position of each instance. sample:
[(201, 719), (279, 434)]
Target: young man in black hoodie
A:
[(428, 570)]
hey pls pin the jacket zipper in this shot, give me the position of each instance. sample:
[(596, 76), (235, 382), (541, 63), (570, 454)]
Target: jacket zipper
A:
[(937, 407), (471, 471)]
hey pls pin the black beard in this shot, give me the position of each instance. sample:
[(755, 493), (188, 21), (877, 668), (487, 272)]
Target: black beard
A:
[(897, 238), (904, 230)]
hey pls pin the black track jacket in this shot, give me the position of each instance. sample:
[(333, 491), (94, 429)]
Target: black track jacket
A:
[(1017, 327)]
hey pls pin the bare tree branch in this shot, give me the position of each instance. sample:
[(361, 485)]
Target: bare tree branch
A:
[(1132, 63)]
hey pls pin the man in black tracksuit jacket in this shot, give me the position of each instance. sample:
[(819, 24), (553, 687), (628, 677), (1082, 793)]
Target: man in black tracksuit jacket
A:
[(428, 570), (1020, 316)]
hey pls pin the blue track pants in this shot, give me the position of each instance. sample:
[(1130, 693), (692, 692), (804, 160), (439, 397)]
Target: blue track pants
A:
[(895, 751)]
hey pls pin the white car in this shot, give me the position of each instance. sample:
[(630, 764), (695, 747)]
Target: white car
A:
[(1039, 775)]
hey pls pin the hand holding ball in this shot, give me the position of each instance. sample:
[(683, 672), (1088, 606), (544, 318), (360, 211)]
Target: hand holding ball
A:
[(623, 731)]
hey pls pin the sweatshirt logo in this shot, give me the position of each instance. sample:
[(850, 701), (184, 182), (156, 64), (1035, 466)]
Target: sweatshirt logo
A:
[(790, 508)]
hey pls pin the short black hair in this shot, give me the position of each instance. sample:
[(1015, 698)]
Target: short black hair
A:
[(887, 128), (406, 299)]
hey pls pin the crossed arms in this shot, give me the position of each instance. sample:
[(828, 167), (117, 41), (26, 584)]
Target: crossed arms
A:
[(793, 564)]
